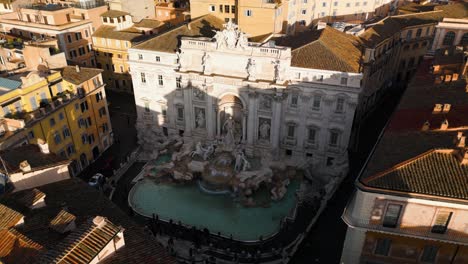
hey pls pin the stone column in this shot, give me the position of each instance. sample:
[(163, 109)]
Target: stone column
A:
[(188, 111), (218, 121), (210, 124), (244, 125), (276, 122), (251, 118)]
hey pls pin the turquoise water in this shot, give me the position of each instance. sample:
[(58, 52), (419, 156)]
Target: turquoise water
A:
[(218, 213)]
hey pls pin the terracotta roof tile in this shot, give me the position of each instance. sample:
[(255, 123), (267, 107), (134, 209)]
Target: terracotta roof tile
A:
[(110, 32), (30, 198), (9, 217), (31, 153), (17, 248), (114, 13), (326, 49), (169, 41), (61, 222), (70, 74), (408, 159), (436, 172), (83, 244)]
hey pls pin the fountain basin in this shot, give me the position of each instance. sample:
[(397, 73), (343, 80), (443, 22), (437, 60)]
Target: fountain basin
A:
[(220, 213)]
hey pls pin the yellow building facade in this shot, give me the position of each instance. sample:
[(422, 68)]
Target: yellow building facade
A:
[(256, 18), (67, 110)]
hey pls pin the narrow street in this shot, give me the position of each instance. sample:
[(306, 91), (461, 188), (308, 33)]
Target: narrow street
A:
[(325, 241), (123, 116)]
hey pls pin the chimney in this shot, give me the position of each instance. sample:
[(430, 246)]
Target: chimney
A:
[(444, 125), (426, 126), (446, 108), (460, 140), (99, 221), (437, 108), (43, 146), (321, 25), (24, 166), (463, 156), (77, 67)]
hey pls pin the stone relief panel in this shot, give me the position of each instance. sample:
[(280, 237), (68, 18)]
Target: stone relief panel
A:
[(265, 102)]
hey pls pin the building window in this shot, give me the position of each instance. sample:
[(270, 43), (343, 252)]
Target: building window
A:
[(84, 138), (143, 77), (226, 9), (102, 112), (334, 138), (233, 9), (464, 40), (316, 102), (441, 222), (449, 38), (248, 12), (324, 4), (383, 246), (52, 122), (69, 38), (57, 138), (291, 130), (312, 135), (429, 254), (84, 106), (61, 116), (70, 149), (409, 35), (31, 135), (158, 59), (160, 80), (178, 82), (88, 122), (339, 105), (66, 132), (418, 32), (344, 81), (212, 8), (98, 96), (180, 113), (140, 56), (303, 11), (294, 100), (392, 215)]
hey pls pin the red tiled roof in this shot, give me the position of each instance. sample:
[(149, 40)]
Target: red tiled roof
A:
[(17, 248), (8, 217)]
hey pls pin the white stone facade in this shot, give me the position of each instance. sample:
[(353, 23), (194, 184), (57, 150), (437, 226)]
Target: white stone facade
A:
[(298, 113)]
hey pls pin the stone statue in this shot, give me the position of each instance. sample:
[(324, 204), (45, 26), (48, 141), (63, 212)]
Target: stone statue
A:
[(200, 119), (178, 58), (204, 153), (182, 59), (206, 63), (220, 39), (252, 69), (265, 130), (229, 127), (242, 41), (241, 162), (278, 70)]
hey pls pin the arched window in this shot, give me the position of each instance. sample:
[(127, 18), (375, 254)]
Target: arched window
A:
[(409, 34), (464, 40), (449, 38)]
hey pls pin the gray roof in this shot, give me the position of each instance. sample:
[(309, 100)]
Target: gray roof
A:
[(9, 84)]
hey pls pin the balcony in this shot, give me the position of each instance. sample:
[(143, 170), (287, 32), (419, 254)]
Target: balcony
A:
[(289, 141)]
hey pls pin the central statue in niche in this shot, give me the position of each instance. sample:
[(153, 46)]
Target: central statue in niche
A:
[(231, 115)]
